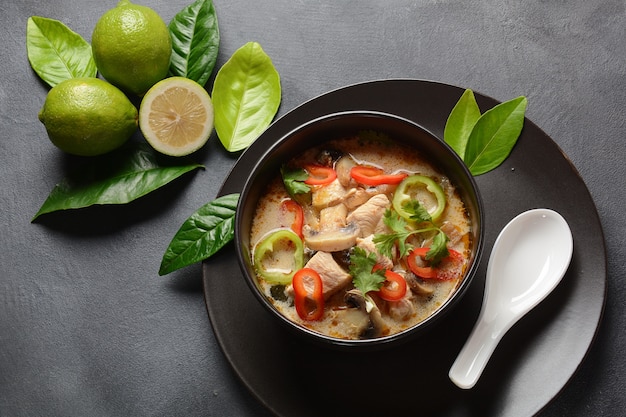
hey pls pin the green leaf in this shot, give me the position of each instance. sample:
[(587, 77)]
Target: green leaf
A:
[(460, 122), (57, 53), (202, 234), (386, 242), (438, 249), (195, 41), (293, 179), (494, 136), (417, 211), (246, 95), (114, 178), (361, 265)]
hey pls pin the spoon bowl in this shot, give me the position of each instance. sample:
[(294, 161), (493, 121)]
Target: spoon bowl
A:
[(528, 260)]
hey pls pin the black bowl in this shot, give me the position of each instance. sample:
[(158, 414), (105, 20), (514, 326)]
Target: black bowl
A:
[(338, 125)]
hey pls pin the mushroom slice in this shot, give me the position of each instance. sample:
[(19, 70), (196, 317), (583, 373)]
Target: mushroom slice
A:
[(377, 325), (343, 167), (333, 234), (350, 323), (343, 258), (417, 287), (333, 240), (328, 157)]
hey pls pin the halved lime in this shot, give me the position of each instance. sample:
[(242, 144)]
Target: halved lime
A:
[(176, 116)]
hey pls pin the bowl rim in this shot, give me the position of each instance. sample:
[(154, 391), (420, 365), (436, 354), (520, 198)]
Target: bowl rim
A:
[(383, 341)]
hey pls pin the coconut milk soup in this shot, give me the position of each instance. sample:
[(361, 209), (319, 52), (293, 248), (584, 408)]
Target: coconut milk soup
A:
[(359, 238)]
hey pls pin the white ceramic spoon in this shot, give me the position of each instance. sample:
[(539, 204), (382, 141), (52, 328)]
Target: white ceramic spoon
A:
[(528, 260)]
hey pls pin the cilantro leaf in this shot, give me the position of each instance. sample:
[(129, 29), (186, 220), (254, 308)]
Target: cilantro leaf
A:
[(417, 211), (438, 249), (361, 265), (401, 231), (395, 222), (294, 180), (385, 242)]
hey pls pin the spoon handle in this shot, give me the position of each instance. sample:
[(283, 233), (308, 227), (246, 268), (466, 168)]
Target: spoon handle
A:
[(528, 260), (474, 356)]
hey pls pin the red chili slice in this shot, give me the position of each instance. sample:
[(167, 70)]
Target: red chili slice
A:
[(320, 175), (394, 287), (375, 176), (309, 305), (448, 268), (291, 206)]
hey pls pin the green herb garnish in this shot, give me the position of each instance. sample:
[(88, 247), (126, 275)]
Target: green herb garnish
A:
[(402, 230), (363, 278), (294, 180)]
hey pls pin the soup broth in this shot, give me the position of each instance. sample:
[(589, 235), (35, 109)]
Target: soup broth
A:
[(386, 234)]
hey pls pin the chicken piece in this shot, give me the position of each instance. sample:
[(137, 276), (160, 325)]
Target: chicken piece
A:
[(381, 228), (311, 216), (332, 218), (334, 277), (402, 309), (328, 195), (358, 196), (369, 214), (454, 233), (369, 246)]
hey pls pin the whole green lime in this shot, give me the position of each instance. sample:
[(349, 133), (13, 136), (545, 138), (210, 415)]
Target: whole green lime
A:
[(132, 47), (88, 116)]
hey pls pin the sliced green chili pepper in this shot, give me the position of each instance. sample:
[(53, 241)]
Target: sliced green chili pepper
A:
[(270, 267), (406, 192)]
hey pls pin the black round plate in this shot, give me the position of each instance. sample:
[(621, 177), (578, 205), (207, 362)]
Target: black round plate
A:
[(531, 365)]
